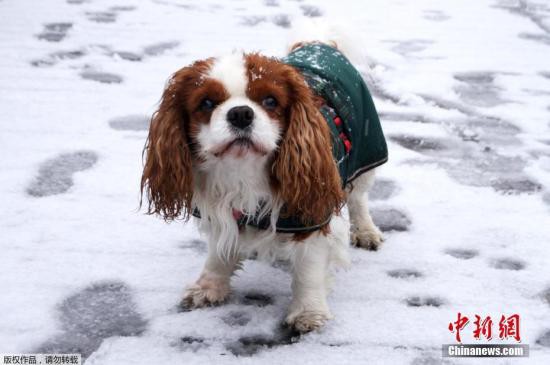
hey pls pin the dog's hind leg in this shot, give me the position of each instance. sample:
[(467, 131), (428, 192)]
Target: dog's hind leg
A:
[(364, 232)]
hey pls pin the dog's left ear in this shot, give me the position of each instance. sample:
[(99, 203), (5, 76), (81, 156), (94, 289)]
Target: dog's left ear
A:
[(167, 178), (304, 171)]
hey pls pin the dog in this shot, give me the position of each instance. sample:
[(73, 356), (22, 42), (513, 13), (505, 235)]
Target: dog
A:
[(266, 152)]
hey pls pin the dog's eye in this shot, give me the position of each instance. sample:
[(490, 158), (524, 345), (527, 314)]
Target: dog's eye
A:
[(270, 103), (207, 105)]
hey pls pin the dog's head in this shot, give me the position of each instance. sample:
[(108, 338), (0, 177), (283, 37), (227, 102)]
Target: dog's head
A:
[(241, 107)]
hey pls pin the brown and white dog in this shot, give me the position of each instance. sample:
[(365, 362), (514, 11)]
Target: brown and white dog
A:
[(243, 135)]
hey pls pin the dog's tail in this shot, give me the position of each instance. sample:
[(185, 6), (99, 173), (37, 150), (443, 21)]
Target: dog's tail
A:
[(336, 35)]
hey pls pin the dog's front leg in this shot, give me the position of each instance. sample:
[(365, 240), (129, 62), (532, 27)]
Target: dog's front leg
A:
[(213, 285), (309, 309)]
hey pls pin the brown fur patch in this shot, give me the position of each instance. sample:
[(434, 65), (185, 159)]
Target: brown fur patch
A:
[(304, 172), (167, 179), (266, 78)]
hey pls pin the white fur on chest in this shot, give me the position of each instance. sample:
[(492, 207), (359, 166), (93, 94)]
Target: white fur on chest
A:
[(233, 184)]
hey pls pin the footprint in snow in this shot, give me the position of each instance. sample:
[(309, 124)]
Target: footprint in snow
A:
[(460, 253), (251, 345), (157, 49), (282, 20), (93, 314), (130, 123), (236, 318), (508, 264), (102, 16), (537, 37), (253, 20), (102, 77), (190, 343), (128, 56), (409, 47), (405, 274), (390, 219), (53, 58), (311, 11), (418, 301), (256, 299), (544, 339), (54, 32), (55, 176)]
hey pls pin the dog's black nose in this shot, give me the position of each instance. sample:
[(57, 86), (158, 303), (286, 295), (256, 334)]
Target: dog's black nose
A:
[(240, 116)]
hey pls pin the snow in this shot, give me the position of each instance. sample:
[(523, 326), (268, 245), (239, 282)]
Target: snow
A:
[(462, 88)]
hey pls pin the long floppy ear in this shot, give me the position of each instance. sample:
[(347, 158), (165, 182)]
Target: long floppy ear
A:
[(167, 178), (305, 171)]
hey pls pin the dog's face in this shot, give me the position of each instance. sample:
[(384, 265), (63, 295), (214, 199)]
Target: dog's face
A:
[(241, 107)]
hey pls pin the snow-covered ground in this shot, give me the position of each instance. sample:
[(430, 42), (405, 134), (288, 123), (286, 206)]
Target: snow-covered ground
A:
[(463, 89)]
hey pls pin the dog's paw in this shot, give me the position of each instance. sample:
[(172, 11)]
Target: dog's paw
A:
[(368, 239), (209, 290), (307, 320)]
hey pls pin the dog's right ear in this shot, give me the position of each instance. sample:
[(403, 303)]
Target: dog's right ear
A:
[(167, 178), (304, 171)]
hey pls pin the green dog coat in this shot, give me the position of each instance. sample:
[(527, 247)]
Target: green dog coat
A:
[(331, 76)]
